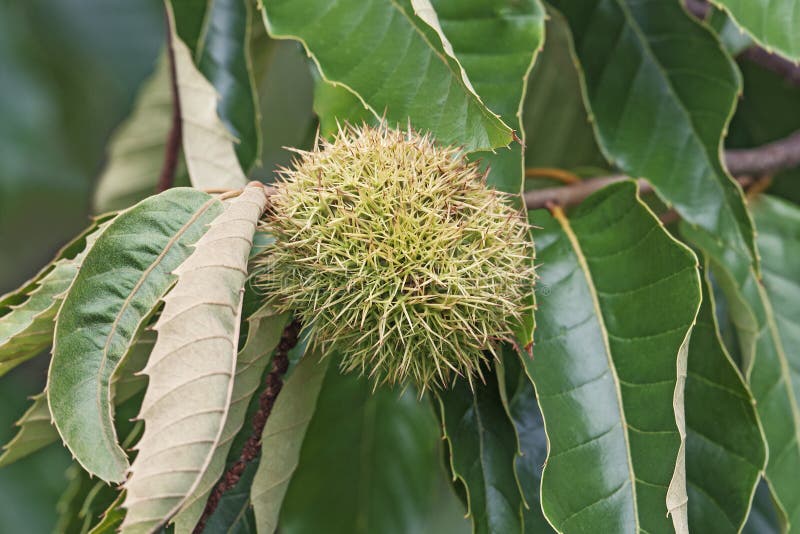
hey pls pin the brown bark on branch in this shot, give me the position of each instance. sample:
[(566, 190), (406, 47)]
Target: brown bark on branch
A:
[(743, 163), (766, 159), (773, 62), (573, 194), (251, 448)]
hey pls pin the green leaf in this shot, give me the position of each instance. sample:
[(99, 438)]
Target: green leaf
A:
[(192, 367), (772, 24), (725, 451), (524, 410), (730, 35), (35, 432), (286, 95), (661, 92), (496, 43), (369, 463), (136, 149), (334, 104), (112, 517), (770, 335), (227, 64), (556, 123), (70, 519), (768, 95), (382, 52), (283, 437), (36, 429), (69, 251), (263, 335), (207, 144), (609, 364), (120, 283), (27, 315), (85, 499), (483, 450), (768, 363)]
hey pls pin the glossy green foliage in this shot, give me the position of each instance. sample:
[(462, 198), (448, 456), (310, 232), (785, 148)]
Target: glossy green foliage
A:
[(556, 124), (768, 95), (661, 91), (774, 376), (725, 450), (482, 450), (380, 450), (659, 395), (766, 363), (389, 50), (112, 298), (610, 359), (286, 94), (224, 58), (529, 426), (218, 36), (773, 24), (764, 517), (496, 43)]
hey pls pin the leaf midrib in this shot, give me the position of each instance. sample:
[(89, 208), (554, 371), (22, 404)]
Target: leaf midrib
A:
[(561, 218)]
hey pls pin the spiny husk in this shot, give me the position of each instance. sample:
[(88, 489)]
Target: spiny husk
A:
[(395, 254)]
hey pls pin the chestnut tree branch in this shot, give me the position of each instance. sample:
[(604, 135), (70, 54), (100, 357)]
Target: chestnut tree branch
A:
[(252, 447), (698, 8), (766, 159), (773, 62), (743, 163)]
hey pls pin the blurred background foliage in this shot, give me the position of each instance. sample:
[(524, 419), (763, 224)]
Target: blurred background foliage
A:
[(69, 74), (66, 80)]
